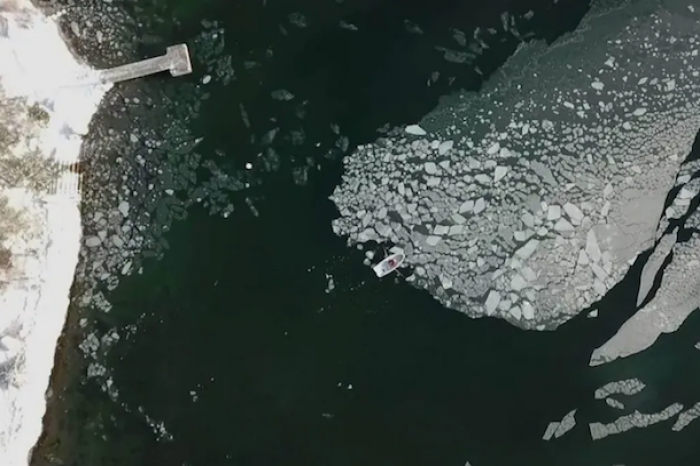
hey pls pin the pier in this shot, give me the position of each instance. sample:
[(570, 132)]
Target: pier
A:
[(176, 60)]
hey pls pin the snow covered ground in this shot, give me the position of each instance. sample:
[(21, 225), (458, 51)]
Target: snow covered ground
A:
[(43, 116)]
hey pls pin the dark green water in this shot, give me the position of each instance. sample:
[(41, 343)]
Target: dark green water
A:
[(247, 357)]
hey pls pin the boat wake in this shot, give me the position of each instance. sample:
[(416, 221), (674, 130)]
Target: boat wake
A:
[(42, 121)]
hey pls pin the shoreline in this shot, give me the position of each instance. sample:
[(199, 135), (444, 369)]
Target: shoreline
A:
[(54, 445), (46, 430), (58, 441)]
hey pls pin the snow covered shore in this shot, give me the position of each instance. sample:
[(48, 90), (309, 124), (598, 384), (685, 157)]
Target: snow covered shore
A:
[(43, 116)]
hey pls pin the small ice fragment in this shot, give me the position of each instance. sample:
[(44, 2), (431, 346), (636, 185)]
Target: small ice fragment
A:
[(553, 212), (499, 173), (492, 302), (415, 130), (466, 206), (445, 147), (282, 94), (432, 240)]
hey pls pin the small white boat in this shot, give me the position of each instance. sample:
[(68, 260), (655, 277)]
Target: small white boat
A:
[(389, 264)]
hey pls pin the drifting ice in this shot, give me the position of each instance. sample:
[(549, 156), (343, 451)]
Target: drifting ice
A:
[(555, 178)]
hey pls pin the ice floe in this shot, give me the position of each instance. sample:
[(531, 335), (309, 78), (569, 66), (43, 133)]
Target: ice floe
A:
[(628, 419), (558, 170)]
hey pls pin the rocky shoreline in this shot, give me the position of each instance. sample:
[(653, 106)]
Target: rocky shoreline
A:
[(56, 444)]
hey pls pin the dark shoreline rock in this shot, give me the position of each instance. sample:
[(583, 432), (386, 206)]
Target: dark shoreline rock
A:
[(56, 441)]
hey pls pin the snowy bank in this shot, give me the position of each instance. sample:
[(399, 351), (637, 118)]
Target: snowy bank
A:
[(44, 115)]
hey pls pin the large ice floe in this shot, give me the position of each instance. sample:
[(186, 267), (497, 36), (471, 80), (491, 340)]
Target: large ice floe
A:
[(530, 199), (43, 116)]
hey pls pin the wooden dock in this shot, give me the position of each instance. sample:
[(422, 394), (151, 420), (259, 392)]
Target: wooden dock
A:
[(176, 60)]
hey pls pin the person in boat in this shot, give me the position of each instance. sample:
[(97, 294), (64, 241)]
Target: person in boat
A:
[(392, 263)]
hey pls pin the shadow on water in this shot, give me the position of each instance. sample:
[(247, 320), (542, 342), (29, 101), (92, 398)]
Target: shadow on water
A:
[(239, 315)]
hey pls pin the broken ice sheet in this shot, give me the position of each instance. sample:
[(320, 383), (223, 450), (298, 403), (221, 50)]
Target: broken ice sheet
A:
[(677, 297), (581, 193)]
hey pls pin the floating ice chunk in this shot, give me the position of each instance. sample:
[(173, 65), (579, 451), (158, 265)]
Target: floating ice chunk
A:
[(456, 230), (529, 274), (493, 150), (479, 205), (282, 94), (686, 417), (549, 431), (608, 190), (528, 219), (367, 234), (553, 212), (466, 206), (597, 85), (544, 172), (516, 312), (298, 19), (499, 173), (124, 208), (527, 250), (582, 258), (445, 147), (458, 219), (441, 230), (563, 226), (415, 130), (557, 429), (430, 168), (639, 112), (348, 26), (634, 420), (527, 310), (592, 248), (433, 240), (517, 283), (92, 241), (573, 212), (654, 264), (626, 387), (522, 235), (492, 301)]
